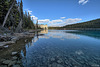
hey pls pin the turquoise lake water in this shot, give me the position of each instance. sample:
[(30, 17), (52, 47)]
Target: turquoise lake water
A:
[(63, 48)]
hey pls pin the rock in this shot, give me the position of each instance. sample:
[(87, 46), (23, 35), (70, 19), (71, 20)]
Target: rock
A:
[(95, 65), (43, 48), (18, 62), (54, 65), (11, 63), (6, 61), (2, 60), (80, 52), (15, 58), (49, 65), (6, 46), (59, 61), (3, 38), (26, 40), (3, 66), (14, 53), (16, 66), (52, 59), (66, 62), (59, 65)]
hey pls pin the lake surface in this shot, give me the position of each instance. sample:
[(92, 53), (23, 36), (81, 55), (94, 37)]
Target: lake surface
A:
[(62, 48), (57, 48)]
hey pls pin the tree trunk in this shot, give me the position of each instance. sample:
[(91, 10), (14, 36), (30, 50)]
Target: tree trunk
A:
[(19, 27), (8, 14)]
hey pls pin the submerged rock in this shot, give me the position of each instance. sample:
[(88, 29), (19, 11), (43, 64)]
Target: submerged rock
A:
[(26, 40), (16, 66), (15, 58), (94, 65), (59, 65), (6, 61), (2, 60), (54, 65), (11, 63), (59, 61), (18, 62), (66, 62), (6, 46), (52, 59), (3, 66), (14, 53)]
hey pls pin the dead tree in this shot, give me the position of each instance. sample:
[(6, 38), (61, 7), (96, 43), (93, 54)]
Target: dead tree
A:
[(5, 19), (19, 27)]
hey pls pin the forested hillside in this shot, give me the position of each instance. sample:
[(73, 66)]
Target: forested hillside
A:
[(12, 16), (88, 24)]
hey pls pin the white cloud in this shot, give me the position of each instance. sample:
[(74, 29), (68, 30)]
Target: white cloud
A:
[(44, 21), (59, 22), (64, 22), (56, 21), (32, 16), (62, 17), (29, 11), (35, 18), (70, 20), (83, 2)]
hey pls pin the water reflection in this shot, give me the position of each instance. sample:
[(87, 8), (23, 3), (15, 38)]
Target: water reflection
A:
[(44, 31), (94, 34), (61, 49), (59, 34)]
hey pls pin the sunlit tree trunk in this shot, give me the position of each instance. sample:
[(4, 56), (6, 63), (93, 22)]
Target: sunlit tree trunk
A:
[(19, 27), (4, 22)]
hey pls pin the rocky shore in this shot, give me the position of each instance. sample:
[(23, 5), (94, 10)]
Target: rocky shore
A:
[(10, 38), (14, 61)]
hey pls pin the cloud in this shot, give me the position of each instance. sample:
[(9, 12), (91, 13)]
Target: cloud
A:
[(62, 17), (83, 2), (59, 22), (56, 21), (29, 11), (64, 22), (70, 20), (32, 16), (44, 21), (35, 18)]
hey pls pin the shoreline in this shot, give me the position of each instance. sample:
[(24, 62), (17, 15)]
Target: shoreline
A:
[(16, 36), (94, 29)]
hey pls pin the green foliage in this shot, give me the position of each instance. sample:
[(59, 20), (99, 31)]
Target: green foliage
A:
[(54, 28), (15, 15), (88, 24), (4, 6), (27, 22)]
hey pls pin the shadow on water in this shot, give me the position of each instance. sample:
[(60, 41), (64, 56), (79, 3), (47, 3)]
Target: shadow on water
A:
[(17, 47)]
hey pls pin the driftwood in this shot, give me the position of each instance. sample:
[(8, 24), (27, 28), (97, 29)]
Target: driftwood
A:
[(8, 14)]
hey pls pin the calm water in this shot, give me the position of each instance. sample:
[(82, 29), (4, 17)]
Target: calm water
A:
[(63, 48)]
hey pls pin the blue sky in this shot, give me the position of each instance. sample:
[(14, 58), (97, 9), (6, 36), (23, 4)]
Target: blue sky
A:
[(62, 12)]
